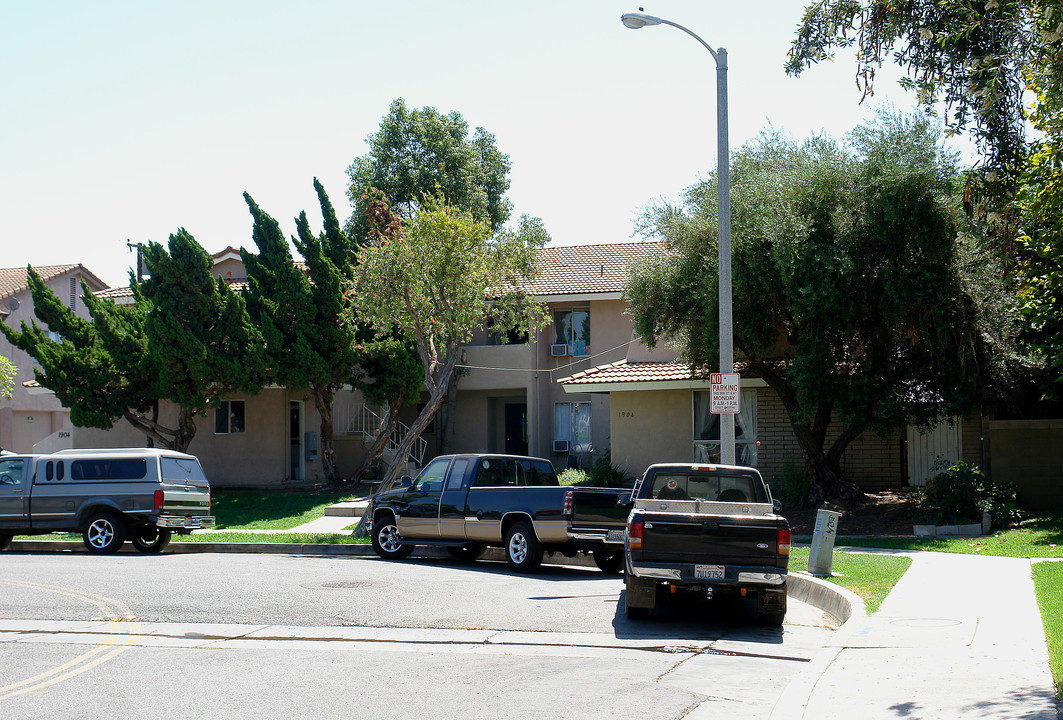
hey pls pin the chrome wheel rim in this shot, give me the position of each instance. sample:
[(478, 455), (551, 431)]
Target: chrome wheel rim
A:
[(390, 540), (101, 533), (518, 548)]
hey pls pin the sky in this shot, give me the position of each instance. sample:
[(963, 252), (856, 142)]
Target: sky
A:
[(124, 121)]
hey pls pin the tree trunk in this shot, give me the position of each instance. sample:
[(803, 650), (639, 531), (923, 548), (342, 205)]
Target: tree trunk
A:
[(384, 432), (323, 402), (173, 439), (828, 482), (447, 427)]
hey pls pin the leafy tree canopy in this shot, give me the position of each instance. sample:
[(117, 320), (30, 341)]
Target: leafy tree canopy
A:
[(420, 153), (855, 298), (977, 56), (308, 342), (7, 377), (440, 276)]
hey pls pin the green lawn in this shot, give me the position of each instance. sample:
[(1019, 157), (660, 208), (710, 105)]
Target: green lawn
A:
[(269, 510), (1048, 583), (869, 576)]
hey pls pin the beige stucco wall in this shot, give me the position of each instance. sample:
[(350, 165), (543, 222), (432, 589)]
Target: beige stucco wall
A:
[(649, 427)]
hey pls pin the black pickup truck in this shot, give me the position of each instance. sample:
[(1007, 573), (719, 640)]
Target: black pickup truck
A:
[(468, 502), (706, 529)]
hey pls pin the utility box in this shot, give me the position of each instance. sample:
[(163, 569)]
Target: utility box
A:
[(821, 556), (310, 443)]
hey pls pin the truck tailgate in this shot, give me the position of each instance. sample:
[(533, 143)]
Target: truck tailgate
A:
[(599, 507), (722, 539)]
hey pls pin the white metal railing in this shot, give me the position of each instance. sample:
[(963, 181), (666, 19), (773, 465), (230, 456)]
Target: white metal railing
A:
[(364, 421)]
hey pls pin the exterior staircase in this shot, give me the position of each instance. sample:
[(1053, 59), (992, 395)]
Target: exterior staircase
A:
[(368, 423)]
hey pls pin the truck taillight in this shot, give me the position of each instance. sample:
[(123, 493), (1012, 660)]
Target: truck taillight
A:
[(634, 534), (784, 541), (158, 499), (566, 505)]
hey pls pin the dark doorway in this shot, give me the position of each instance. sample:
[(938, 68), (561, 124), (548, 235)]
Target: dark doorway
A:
[(517, 428), (295, 425)]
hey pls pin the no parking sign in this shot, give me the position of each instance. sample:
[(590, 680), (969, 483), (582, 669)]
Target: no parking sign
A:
[(724, 393)]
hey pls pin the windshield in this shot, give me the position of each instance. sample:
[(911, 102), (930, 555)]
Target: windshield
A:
[(677, 485)]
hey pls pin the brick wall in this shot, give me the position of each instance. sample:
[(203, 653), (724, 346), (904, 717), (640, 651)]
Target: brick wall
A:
[(872, 462)]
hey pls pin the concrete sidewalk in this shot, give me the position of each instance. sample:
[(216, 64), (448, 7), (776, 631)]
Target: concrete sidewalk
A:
[(960, 636)]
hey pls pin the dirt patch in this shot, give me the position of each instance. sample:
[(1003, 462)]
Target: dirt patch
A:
[(884, 513)]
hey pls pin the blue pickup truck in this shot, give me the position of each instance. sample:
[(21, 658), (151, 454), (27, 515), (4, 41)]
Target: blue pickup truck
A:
[(469, 502)]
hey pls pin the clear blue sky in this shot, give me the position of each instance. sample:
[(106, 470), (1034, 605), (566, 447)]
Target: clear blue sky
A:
[(131, 119)]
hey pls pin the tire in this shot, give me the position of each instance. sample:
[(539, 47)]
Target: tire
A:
[(638, 586), (772, 619), (104, 533), (524, 552), (5, 542), (150, 539), (775, 613), (635, 613), (387, 542), (609, 561), (467, 553)]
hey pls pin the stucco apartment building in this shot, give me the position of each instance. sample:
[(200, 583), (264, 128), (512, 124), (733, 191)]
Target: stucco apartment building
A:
[(569, 391), (32, 417)]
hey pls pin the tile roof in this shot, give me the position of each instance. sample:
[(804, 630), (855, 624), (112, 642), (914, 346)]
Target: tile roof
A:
[(623, 371), (14, 280), (588, 269)]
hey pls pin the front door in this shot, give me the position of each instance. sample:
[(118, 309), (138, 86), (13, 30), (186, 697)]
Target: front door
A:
[(516, 428)]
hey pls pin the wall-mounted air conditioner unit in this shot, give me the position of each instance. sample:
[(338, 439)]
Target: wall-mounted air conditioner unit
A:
[(561, 445), (558, 350)]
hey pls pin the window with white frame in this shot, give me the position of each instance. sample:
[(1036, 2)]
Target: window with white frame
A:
[(572, 424), (707, 429), (229, 417), (573, 328)]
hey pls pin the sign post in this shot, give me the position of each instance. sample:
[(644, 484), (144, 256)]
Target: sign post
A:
[(724, 393)]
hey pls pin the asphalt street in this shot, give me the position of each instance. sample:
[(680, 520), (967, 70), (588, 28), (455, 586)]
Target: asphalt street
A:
[(304, 636)]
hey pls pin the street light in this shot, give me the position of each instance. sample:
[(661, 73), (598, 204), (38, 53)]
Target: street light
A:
[(639, 20)]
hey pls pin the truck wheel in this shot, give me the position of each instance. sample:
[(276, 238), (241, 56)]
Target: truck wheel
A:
[(635, 613), (104, 533), (467, 553), (387, 542), (771, 607), (150, 539), (524, 552), (5, 542), (609, 561)]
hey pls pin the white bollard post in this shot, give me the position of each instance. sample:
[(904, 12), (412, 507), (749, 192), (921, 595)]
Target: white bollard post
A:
[(821, 556)]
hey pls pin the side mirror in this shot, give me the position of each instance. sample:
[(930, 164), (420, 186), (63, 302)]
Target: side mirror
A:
[(405, 481), (776, 505)]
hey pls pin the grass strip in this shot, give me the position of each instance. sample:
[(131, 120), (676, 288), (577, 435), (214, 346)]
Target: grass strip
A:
[(869, 576), (1048, 584), (270, 510)]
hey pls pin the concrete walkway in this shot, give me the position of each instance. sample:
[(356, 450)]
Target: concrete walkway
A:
[(960, 636)]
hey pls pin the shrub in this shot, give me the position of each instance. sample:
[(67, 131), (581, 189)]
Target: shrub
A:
[(962, 493), (572, 476), (605, 474), (793, 486)]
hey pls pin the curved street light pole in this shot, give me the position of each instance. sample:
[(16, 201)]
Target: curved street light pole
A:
[(639, 20)]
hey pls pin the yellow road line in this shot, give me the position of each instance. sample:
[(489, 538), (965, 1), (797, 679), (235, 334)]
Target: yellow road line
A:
[(113, 611)]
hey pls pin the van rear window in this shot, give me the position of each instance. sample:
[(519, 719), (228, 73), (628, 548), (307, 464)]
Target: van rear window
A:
[(181, 470), (108, 469)]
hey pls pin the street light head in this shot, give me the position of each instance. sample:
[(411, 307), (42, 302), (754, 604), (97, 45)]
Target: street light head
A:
[(638, 20)]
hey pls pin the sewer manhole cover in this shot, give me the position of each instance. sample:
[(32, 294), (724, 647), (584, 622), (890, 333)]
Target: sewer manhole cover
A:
[(348, 585)]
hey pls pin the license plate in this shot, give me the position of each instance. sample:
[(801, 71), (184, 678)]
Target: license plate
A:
[(709, 572), (615, 536)]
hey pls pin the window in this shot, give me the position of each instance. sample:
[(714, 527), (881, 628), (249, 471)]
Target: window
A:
[(431, 478), (573, 328), (572, 423), (182, 469), (11, 472), (229, 417), (108, 469), (707, 430)]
